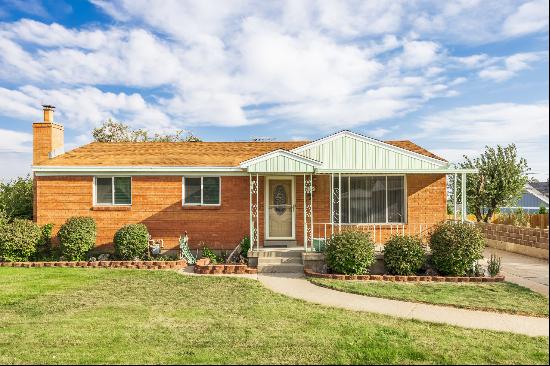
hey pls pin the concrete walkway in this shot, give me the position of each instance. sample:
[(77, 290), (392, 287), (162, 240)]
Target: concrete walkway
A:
[(523, 270), (296, 286)]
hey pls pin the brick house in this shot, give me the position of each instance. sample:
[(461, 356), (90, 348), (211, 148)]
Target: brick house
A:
[(280, 193)]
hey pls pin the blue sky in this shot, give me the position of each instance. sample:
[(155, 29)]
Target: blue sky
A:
[(451, 76)]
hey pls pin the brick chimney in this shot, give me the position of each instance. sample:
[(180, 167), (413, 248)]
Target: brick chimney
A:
[(47, 137)]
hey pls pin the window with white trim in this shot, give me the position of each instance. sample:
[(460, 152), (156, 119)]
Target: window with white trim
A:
[(369, 199), (113, 191), (201, 191)]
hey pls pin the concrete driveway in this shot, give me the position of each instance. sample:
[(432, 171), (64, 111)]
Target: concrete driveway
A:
[(523, 270)]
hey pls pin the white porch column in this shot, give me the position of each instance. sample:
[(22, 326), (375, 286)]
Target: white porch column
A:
[(455, 191), (464, 210), (257, 212), (339, 202), (254, 214), (305, 214)]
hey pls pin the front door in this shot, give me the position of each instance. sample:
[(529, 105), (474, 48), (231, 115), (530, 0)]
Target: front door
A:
[(280, 208)]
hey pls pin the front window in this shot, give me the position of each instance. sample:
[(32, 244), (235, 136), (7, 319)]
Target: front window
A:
[(369, 199), (201, 190), (113, 190)]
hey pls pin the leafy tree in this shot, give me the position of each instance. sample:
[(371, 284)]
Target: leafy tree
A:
[(499, 182), (16, 198), (113, 131)]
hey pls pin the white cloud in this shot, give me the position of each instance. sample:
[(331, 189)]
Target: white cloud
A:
[(82, 108), (509, 66), (419, 53), (15, 141), (529, 17), (471, 128)]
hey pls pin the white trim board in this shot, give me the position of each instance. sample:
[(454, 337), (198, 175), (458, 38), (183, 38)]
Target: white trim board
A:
[(280, 152)]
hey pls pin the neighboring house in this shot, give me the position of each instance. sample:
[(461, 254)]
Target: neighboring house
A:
[(279, 193), (534, 196)]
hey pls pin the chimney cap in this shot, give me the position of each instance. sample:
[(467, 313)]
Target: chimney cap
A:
[(48, 107)]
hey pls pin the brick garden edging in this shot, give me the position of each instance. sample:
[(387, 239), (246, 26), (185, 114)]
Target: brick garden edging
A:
[(392, 278), (203, 266), (103, 264)]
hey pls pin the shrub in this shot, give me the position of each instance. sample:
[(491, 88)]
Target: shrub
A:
[(77, 237), (404, 255), (209, 253), (245, 246), (542, 210), (19, 240), (493, 265), (456, 247), (16, 198), (131, 241), (350, 252)]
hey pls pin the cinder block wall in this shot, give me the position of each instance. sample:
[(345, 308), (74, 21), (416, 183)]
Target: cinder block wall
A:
[(522, 240)]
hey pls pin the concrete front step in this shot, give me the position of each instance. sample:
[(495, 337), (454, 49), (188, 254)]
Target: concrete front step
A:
[(281, 268), (280, 243), (279, 260), (276, 253)]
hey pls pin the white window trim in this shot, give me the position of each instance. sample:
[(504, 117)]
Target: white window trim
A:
[(202, 191), (405, 199), (112, 190)]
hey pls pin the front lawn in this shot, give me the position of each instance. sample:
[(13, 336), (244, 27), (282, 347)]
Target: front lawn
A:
[(502, 296), (71, 315)]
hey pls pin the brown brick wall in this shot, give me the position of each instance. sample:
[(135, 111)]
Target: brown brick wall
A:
[(156, 202), (47, 137), (531, 237)]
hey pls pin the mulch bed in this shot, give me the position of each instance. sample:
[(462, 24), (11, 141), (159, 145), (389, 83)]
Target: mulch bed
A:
[(203, 266), (391, 278), (103, 264)]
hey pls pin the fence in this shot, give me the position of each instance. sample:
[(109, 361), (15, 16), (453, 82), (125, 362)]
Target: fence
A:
[(539, 221)]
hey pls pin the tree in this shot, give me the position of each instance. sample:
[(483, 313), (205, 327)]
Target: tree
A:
[(500, 180), (16, 198), (113, 131)]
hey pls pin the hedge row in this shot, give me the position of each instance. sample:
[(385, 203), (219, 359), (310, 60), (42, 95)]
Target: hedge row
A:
[(23, 240), (455, 247)]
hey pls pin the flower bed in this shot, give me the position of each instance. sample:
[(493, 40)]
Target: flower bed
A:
[(310, 273), (203, 266), (103, 264)]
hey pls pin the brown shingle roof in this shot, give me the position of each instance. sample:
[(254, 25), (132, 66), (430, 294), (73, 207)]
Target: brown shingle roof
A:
[(411, 146), (167, 153), (182, 153)]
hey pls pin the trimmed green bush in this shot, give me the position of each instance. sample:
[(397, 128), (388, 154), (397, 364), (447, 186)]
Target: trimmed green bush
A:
[(245, 246), (456, 247), (131, 241), (350, 252), (77, 237), (209, 253), (19, 240), (404, 255)]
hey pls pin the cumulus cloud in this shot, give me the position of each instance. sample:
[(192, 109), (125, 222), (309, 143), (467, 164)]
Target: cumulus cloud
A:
[(465, 129), (529, 17), (509, 66), (82, 108)]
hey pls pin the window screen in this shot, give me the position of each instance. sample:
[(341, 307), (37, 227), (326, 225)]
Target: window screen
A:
[(123, 190), (104, 190), (192, 190), (211, 190)]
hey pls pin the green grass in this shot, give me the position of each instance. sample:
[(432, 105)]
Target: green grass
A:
[(70, 315), (501, 297)]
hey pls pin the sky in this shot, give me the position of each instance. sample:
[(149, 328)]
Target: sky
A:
[(452, 76)]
